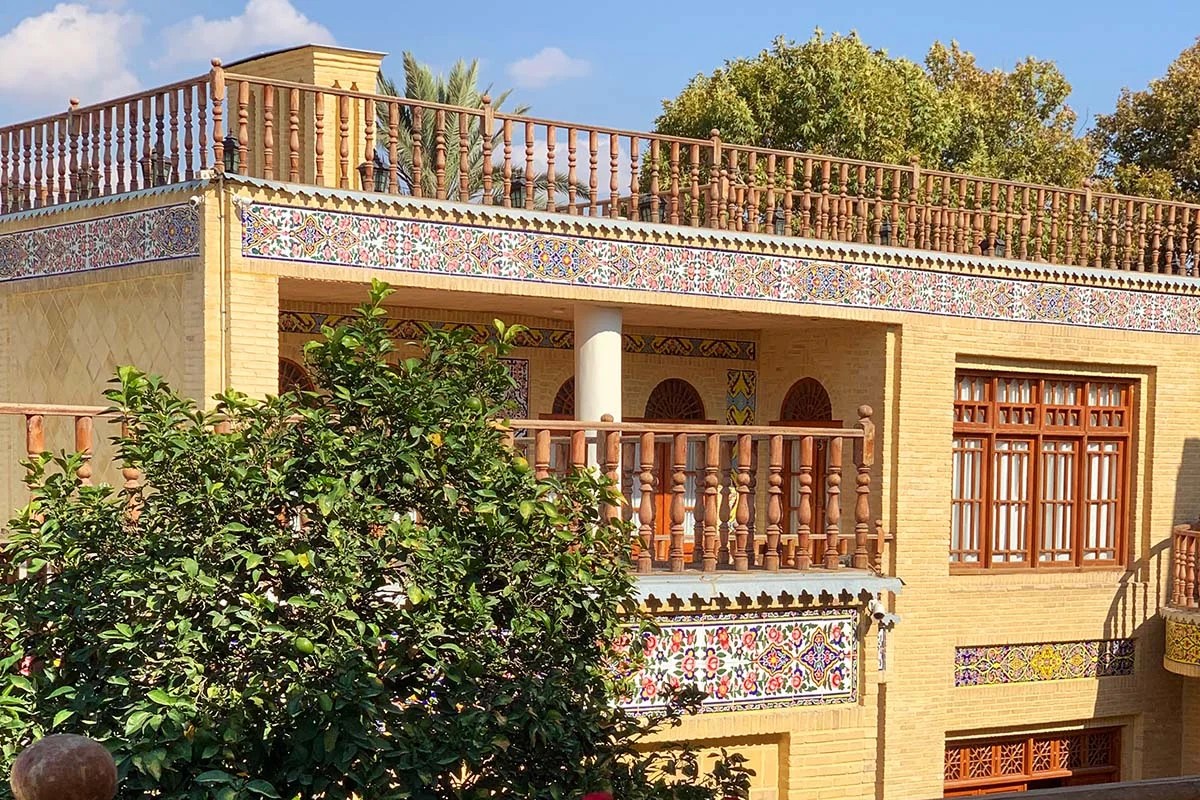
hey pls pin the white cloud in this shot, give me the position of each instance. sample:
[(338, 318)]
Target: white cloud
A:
[(545, 67), (69, 51), (262, 25)]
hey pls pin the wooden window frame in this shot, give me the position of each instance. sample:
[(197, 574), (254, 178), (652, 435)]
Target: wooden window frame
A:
[(1039, 422)]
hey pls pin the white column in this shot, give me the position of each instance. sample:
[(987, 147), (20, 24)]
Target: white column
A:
[(597, 362)]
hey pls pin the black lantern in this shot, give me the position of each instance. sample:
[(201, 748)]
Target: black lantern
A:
[(378, 166), (232, 156), (779, 221), (885, 232), (517, 195), (998, 246)]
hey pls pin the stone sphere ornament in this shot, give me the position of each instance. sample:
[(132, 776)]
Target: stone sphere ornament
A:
[(64, 767)]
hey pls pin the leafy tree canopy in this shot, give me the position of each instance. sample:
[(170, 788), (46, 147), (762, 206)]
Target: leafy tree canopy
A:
[(358, 592), (836, 95), (1151, 142)]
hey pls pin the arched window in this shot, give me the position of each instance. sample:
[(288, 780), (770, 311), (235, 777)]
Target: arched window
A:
[(293, 377), (675, 399), (806, 401), (564, 401)]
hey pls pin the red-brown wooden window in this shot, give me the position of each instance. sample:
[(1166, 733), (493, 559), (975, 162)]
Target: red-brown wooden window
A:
[(1039, 471), (1041, 761)]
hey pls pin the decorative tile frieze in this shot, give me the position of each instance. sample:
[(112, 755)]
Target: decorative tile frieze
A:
[(741, 396), (310, 322), (139, 237), (745, 661), (1183, 641), (359, 240), (1048, 661)]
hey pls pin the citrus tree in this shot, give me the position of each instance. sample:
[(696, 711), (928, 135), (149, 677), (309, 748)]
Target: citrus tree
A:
[(357, 592)]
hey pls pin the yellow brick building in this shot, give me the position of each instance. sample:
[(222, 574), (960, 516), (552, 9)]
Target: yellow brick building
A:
[(1001, 608)]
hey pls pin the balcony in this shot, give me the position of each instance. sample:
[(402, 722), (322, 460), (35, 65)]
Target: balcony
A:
[(1182, 612), (236, 123), (714, 509)]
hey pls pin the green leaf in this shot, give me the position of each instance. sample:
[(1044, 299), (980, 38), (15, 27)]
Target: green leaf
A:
[(61, 717), (162, 698), (214, 776), (263, 788)]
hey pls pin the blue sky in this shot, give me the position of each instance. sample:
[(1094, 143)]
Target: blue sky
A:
[(601, 63)]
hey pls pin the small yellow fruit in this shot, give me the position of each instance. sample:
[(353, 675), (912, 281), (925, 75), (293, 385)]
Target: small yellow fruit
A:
[(303, 646)]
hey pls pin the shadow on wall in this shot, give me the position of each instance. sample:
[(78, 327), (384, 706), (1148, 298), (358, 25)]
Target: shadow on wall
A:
[(1134, 613)]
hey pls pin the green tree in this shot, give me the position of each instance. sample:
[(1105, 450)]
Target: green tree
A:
[(459, 88), (361, 592), (1151, 141), (835, 95)]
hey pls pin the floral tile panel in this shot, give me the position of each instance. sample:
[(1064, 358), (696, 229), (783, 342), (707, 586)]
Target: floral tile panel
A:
[(747, 661)]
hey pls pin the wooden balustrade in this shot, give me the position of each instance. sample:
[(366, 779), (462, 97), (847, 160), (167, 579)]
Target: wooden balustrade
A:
[(350, 139), (695, 497), (1185, 567), (151, 138)]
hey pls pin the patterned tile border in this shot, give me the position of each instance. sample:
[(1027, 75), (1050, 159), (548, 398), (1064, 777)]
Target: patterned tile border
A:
[(1183, 641), (741, 396), (138, 237), (989, 665), (358, 240), (310, 322), (745, 661)]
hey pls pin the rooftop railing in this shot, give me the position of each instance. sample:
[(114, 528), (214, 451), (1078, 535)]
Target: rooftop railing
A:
[(341, 138)]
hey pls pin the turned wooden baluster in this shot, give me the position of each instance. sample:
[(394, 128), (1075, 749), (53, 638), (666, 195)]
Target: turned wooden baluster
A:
[(368, 166), (147, 145), (714, 180), (741, 554), (35, 435), (530, 190), (579, 450), (864, 458), (1177, 575), (106, 123), (655, 200), (804, 511), (678, 481), (728, 489), (551, 177), (1170, 266), (244, 132), (418, 187), (83, 446), (541, 454), (673, 167), (201, 127), (173, 131), (833, 503), (507, 171), (39, 173), (464, 157), (712, 480), (73, 127), (393, 152), (343, 134), (1155, 239), (319, 140), (646, 505), (612, 465), (694, 199), (635, 190), (572, 170), (614, 176), (774, 501), (4, 187), (268, 116), (1190, 587), (487, 124), (294, 136), (439, 153), (216, 80), (189, 142)]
